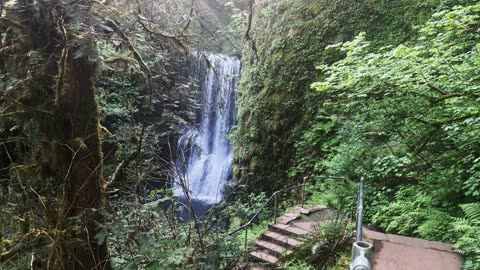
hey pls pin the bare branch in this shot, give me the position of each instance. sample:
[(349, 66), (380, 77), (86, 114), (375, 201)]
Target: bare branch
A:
[(121, 59), (190, 17), (6, 22), (112, 24), (172, 38), (48, 113), (15, 48), (120, 167), (248, 37)]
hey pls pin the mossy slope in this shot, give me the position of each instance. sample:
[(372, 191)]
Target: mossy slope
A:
[(276, 105)]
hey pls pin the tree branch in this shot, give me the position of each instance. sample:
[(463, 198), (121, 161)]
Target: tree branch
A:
[(447, 96), (247, 36), (15, 48), (172, 38), (120, 168), (112, 24), (192, 11), (5, 22), (48, 113), (433, 87)]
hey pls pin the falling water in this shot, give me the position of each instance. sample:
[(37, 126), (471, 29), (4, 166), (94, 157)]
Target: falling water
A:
[(205, 154)]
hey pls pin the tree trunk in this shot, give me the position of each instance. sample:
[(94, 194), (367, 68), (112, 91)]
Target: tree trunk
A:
[(79, 159), (59, 91)]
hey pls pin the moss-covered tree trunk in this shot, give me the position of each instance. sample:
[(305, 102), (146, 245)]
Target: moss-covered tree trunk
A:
[(79, 161), (57, 39)]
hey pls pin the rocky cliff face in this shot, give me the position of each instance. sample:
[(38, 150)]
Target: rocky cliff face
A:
[(276, 107)]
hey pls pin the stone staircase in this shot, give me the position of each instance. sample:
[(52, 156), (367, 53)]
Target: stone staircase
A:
[(287, 234), (391, 252)]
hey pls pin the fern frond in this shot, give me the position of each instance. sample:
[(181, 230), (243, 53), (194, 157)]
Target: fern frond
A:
[(471, 210)]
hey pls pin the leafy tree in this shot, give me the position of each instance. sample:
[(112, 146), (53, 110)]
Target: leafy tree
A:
[(51, 136)]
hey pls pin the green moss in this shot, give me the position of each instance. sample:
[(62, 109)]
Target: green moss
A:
[(276, 106)]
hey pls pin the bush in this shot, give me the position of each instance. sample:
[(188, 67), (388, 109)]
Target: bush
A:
[(469, 243), (327, 244)]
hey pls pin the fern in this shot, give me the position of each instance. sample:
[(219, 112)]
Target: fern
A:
[(436, 224), (468, 244), (472, 212)]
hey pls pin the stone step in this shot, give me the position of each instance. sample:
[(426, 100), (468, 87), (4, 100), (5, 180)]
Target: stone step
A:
[(263, 256), (288, 230), (272, 248), (281, 239), (288, 217), (308, 226), (307, 210)]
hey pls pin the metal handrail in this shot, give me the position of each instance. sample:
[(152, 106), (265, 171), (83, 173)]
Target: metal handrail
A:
[(360, 209), (361, 251), (274, 197)]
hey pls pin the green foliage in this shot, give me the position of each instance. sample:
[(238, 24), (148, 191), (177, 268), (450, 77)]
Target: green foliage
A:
[(242, 211), (397, 104), (235, 29), (150, 236), (142, 96), (298, 264), (408, 119), (324, 247), (469, 243), (343, 261), (284, 131), (254, 233), (218, 26), (338, 193), (410, 213)]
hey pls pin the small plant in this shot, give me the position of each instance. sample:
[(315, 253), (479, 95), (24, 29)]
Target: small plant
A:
[(334, 237), (299, 265), (328, 243)]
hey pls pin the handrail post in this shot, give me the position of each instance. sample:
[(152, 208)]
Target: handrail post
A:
[(360, 210), (304, 188), (275, 208)]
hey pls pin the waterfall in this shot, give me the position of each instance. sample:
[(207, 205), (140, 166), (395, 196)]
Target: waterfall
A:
[(204, 153)]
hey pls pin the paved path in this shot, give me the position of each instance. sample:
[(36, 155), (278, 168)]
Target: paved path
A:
[(395, 252), (391, 252)]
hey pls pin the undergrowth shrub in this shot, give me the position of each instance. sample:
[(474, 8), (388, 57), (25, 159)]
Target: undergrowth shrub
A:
[(338, 193), (151, 236), (411, 213), (299, 265), (468, 244), (325, 246)]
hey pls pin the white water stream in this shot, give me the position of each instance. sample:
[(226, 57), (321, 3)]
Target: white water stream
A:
[(205, 154)]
